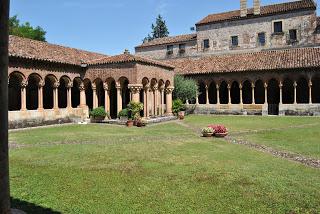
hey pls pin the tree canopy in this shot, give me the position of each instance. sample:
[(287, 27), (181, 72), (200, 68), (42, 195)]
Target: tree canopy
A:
[(159, 30), (26, 30), (184, 88)]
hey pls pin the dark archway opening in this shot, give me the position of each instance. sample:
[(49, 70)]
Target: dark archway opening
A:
[(287, 92), (213, 93), (125, 94), (14, 97), (224, 96), (235, 93), (316, 90), (273, 97), (302, 91), (33, 92), (202, 93), (62, 91), (247, 92), (89, 93), (259, 92), (113, 100), (100, 93), (48, 92), (75, 93)]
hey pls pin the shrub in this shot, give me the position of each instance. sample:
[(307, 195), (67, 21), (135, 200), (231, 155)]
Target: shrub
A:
[(123, 113), (184, 88), (207, 130), (178, 106), (218, 128), (135, 108), (98, 112)]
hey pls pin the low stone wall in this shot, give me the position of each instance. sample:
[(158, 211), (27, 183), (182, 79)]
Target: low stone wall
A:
[(226, 109), (32, 118), (300, 109)]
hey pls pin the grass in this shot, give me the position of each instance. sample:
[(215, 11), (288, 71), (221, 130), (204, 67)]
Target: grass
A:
[(165, 168)]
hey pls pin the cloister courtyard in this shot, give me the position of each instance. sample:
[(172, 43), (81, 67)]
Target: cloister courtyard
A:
[(168, 167)]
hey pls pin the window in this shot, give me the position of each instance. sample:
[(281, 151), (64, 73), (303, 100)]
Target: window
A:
[(293, 35), (169, 49), (206, 44), (182, 48), (262, 39), (234, 41), (277, 27)]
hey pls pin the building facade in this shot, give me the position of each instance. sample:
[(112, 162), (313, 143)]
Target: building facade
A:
[(260, 60), (52, 84)]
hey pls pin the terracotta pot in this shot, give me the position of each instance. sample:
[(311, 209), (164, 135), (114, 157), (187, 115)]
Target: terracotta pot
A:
[(181, 115), (207, 134), (129, 123), (221, 134)]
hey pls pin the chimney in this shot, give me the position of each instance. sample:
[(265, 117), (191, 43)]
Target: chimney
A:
[(243, 8), (256, 7)]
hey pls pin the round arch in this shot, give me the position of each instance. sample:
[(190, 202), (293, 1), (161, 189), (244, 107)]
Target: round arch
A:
[(235, 93), (89, 93), (302, 90), (49, 80), (14, 90), (32, 92), (224, 94), (316, 89), (213, 93), (287, 91), (202, 93), (247, 92), (259, 92)]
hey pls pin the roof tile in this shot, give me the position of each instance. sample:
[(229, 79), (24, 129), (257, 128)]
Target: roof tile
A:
[(169, 40)]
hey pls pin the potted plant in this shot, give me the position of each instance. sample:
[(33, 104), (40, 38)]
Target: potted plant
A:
[(207, 132), (219, 130), (135, 108), (179, 108), (98, 114), (129, 122), (123, 114)]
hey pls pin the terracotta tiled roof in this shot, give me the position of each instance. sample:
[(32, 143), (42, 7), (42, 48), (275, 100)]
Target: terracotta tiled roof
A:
[(126, 57), (169, 40), (259, 61), (265, 11), (31, 49)]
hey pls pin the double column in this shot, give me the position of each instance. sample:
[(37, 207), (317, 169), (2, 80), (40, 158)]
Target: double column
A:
[(169, 91), (24, 85), (55, 95), (69, 96)]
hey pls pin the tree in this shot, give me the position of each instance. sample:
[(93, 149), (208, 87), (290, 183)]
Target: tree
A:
[(25, 30), (184, 88), (159, 30), (4, 163)]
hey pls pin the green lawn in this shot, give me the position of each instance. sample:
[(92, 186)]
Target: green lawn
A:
[(164, 168)]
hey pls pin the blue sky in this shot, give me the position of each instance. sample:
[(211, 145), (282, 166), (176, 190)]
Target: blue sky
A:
[(109, 27)]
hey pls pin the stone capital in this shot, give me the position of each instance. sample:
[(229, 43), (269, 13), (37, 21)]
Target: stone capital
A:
[(135, 88), (265, 85), (70, 85), (24, 84), (56, 84), (217, 86), (41, 84), (94, 86), (253, 85), (106, 86), (81, 87), (295, 84), (169, 90)]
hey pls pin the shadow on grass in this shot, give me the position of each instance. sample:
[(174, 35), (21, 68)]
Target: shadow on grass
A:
[(30, 207)]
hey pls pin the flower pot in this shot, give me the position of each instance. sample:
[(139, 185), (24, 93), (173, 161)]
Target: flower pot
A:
[(221, 134), (181, 115), (207, 134), (129, 123)]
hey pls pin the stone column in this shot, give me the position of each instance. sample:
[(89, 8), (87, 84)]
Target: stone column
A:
[(4, 163), (40, 95), (281, 94), (218, 94), (161, 100), (106, 97), (83, 100), (119, 98), (169, 91), (146, 100), (95, 96), (197, 99), (253, 94), (24, 95), (295, 92), (56, 96), (229, 94), (155, 98), (265, 93), (135, 92), (310, 91), (207, 95), (69, 96), (241, 98), (151, 102)]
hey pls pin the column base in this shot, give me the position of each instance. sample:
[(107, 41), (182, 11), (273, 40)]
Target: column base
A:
[(40, 109)]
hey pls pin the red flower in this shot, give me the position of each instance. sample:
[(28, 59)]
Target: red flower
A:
[(219, 128)]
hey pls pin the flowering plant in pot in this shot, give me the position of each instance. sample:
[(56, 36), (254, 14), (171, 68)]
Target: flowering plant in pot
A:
[(179, 108), (219, 130), (135, 108), (98, 114), (207, 132)]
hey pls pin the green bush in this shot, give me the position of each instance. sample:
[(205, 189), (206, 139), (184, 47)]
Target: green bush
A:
[(178, 106), (184, 88), (123, 113), (135, 109), (98, 112)]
